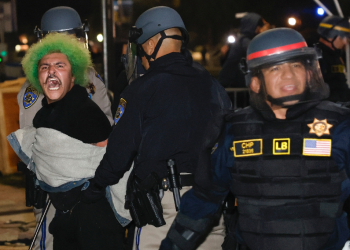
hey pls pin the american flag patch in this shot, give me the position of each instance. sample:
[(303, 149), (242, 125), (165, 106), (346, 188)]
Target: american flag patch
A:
[(317, 147)]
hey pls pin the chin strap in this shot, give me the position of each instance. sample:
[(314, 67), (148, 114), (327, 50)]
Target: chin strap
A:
[(156, 49), (280, 101)]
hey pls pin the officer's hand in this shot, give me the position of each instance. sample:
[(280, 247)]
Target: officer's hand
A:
[(93, 193)]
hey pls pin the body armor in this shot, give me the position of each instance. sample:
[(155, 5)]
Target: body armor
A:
[(287, 193)]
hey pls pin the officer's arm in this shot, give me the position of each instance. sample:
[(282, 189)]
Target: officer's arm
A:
[(341, 146), (201, 206), (100, 97)]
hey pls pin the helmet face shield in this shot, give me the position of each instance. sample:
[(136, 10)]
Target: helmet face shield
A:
[(130, 62), (302, 74), (281, 70)]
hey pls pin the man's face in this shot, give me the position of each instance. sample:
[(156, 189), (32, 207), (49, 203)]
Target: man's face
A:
[(340, 42), (55, 76), (285, 79)]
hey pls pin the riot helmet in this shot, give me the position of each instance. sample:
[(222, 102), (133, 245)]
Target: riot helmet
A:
[(333, 26), (62, 19), (274, 49), (153, 21)]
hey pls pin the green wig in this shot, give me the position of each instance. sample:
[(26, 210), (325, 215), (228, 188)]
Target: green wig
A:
[(78, 56)]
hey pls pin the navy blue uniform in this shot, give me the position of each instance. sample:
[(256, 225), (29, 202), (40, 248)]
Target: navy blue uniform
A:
[(333, 71), (174, 111), (263, 189)]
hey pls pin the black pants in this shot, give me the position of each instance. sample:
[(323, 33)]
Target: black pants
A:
[(88, 227)]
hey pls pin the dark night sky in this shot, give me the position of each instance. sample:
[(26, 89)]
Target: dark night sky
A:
[(207, 18)]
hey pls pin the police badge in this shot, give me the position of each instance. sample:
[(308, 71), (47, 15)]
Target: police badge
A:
[(319, 127), (120, 110), (30, 96)]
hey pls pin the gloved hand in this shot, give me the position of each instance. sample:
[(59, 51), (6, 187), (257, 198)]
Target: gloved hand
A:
[(93, 193)]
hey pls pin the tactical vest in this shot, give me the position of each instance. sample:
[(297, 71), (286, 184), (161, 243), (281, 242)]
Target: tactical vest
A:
[(285, 180)]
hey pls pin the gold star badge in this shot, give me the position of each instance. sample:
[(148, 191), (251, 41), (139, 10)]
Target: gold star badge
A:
[(319, 127)]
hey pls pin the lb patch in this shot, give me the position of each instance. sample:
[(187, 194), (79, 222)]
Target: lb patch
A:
[(30, 96), (319, 127), (120, 110), (247, 148), (281, 146), (317, 147)]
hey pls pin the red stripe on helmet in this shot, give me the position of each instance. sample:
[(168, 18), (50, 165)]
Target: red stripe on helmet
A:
[(284, 48)]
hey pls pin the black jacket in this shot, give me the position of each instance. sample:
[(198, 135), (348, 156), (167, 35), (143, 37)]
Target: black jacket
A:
[(174, 112), (332, 67)]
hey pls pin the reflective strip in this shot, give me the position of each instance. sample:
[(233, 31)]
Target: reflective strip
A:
[(281, 49), (329, 26)]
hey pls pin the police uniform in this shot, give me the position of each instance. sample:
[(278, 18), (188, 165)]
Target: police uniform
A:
[(172, 112), (285, 158), (30, 102), (290, 177), (333, 71)]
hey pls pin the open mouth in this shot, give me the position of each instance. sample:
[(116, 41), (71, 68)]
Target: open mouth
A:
[(53, 84), (289, 87)]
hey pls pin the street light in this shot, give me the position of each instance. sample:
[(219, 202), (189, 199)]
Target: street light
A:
[(292, 21), (231, 39), (99, 38)]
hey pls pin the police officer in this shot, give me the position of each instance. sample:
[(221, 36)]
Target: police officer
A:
[(230, 76), (334, 32), (285, 158), (173, 111), (58, 19)]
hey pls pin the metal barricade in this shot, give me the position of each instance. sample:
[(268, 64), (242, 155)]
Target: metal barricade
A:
[(244, 98)]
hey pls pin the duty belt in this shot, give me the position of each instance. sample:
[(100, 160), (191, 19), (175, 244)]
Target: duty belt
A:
[(186, 180)]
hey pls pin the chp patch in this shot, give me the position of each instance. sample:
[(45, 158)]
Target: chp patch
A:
[(317, 147), (120, 110), (247, 148), (30, 96), (338, 69), (281, 146)]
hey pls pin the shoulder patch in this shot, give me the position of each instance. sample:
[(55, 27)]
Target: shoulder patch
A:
[(98, 76), (92, 89), (30, 96), (214, 148), (247, 147), (120, 110)]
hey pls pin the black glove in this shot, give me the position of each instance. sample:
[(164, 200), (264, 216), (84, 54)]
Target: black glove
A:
[(93, 193)]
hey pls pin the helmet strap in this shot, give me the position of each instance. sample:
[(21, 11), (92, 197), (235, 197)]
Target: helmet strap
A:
[(280, 101), (159, 43)]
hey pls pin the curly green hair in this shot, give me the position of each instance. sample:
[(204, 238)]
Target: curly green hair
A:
[(78, 57)]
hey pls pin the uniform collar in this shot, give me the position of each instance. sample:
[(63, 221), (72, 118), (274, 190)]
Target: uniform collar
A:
[(292, 112), (166, 60)]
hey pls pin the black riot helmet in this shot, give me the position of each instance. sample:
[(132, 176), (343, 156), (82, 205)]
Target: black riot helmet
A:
[(62, 19), (333, 26), (276, 47), (153, 21)]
